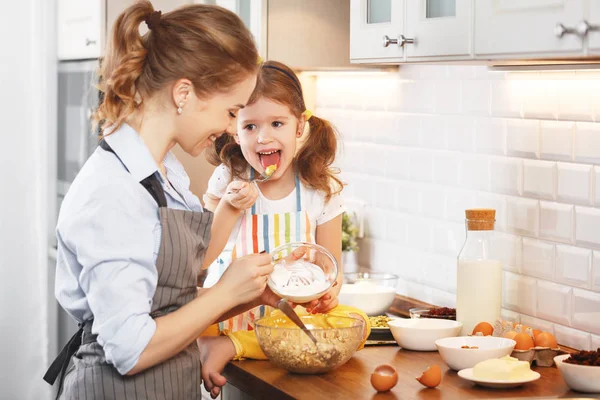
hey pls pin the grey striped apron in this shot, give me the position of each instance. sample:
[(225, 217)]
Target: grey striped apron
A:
[(185, 236)]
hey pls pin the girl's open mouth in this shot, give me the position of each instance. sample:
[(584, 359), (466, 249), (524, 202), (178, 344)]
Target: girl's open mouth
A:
[(270, 157)]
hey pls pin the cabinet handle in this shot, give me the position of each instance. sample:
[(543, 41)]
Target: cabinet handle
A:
[(560, 30), (584, 27), (387, 41), (401, 41), (89, 42)]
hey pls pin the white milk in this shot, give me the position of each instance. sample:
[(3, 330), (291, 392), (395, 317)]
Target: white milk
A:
[(478, 293)]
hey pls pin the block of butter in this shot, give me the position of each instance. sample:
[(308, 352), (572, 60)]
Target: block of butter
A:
[(506, 368)]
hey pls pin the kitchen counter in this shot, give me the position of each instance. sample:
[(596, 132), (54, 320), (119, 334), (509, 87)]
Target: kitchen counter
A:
[(263, 380)]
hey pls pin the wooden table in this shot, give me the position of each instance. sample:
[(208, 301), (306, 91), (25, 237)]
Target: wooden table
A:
[(263, 380)]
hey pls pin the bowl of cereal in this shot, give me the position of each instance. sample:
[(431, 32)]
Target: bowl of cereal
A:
[(302, 271), (290, 348)]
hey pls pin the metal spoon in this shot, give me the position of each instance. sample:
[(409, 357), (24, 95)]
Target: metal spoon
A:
[(257, 179), (285, 307)]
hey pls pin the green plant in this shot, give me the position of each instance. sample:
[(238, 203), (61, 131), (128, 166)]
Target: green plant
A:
[(349, 233)]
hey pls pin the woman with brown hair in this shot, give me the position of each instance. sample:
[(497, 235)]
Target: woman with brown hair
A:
[(131, 235)]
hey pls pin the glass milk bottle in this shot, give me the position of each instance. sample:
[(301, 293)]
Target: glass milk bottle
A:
[(479, 276)]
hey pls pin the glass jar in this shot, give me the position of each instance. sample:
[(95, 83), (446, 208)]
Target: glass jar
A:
[(479, 275)]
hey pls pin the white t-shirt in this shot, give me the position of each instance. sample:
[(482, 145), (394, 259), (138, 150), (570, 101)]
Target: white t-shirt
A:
[(313, 202)]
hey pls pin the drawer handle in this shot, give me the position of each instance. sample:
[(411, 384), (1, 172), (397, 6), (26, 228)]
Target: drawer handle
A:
[(584, 27), (89, 42), (401, 41), (560, 30)]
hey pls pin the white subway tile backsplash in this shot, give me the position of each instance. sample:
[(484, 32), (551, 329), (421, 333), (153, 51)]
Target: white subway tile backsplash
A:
[(519, 293), (573, 266), (490, 136), (407, 198), (508, 249), (457, 201), (433, 132), (538, 259), (420, 234), (385, 194), (477, 97), (587, 142), (573, 337), (522, 216), (574, 183), (407, 130), (539, 179), (422, 145), (554, 302), (474, 172), (448, 94), (596, 272), (445, 168), (506, 175), (556, 140), (522, 138), (448, 238), (556, 221), (460, 133), (432, 201), (397, 163), (421, 166), (506, 102), (586, 310), (587, 221)]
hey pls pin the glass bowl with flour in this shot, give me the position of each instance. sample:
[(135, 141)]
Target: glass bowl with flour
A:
[(303, 271)]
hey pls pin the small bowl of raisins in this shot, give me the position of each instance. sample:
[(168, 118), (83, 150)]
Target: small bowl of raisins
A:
[(434, 312)]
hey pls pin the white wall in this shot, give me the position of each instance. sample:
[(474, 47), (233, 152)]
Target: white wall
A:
[(26, 62), (425, 144)]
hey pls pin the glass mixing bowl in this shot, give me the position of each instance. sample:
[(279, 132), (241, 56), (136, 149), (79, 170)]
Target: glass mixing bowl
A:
[(288, 347), (296, 256)]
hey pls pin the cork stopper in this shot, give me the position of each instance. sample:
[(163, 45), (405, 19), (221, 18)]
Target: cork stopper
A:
[(480, 219)]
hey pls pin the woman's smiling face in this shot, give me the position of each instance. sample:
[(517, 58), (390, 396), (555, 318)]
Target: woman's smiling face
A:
[(267, 133)]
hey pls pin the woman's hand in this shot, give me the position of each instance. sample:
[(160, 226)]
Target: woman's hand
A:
[(240, 195), (246, 277)]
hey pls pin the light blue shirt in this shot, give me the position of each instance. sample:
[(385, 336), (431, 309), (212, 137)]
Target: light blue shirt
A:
[(108, 240)]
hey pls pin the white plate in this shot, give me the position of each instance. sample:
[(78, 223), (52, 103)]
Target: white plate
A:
[(497, 384)]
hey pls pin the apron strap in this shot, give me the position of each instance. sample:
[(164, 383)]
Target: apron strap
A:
[(298, 193), (151, 183), (60, 364)]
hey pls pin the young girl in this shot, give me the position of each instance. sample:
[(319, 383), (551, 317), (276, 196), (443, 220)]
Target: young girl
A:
[(299, 202)]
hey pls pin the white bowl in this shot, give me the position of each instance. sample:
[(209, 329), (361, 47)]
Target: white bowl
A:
[(372, 299), (581, 378), (458, 358), (420, 334)]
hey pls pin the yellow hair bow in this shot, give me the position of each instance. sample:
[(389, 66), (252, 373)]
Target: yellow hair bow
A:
[(307, 114), (259, 60)]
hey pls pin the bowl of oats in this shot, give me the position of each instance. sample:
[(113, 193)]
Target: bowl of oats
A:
[(290, 348)]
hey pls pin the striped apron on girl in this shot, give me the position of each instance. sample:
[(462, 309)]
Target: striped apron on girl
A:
[(265, 232)]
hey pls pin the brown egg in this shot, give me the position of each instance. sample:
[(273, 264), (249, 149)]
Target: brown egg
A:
[(485, 328), (432, 377), (536, 332), (524, 341), (546, 339), (510, 334), (384, 378)]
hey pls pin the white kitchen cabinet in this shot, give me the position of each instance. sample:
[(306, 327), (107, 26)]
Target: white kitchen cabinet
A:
[(527, 29), (80, 29), (377, 31), (440, 28), (594, 33)]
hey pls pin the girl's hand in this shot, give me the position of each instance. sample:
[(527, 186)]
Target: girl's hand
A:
[(328, 302), (240, 195)]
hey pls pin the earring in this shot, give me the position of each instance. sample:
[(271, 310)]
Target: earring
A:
[(180, 108)]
